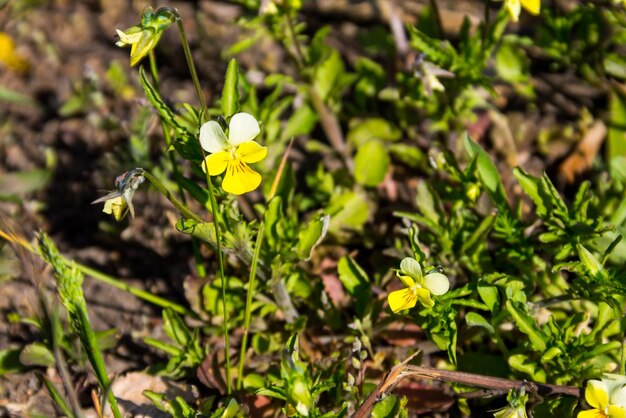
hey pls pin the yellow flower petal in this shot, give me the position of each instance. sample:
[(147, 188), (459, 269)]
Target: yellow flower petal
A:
[(424, 297), (240, 178), (217, 162), (533, 6), (400, 300), (148, 40), (116, 207), (591, 413), (616, 411), (596, 394), (251, 152)]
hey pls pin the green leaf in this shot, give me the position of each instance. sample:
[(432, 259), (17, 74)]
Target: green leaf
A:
[(590, 262), (204, 231), (409, 155), (311, 235), (155, 98), (347, 210), (356, 282), (371, 163), (617, 127), (56, 396), (230, 92), (389, 407), (615, 65), (487, 172), (526, 324), (372, 128), (475, 319), (490, 295), (526, 365), (326, 75), (37, 354), (439, 52), (511, 60), (301, 122), (10, 361), (531, 186), (175, 328)]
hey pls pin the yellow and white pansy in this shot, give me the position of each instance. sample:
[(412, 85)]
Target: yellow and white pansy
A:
[(514, 7), (607, 397), (418, 286), (232, 154)]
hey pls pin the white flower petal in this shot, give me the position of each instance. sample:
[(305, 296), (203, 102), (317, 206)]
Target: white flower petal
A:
[(437, 283), (243, 128), (212, 137), (411, 267), (618, 396)]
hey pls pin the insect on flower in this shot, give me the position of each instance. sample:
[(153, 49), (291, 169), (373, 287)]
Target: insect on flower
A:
[(119, 202)]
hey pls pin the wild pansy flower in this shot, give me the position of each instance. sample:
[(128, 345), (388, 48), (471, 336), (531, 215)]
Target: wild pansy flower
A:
[(119, 202), (514, 7), (607, 397), (142, 38), (233, 154), (418, 286)]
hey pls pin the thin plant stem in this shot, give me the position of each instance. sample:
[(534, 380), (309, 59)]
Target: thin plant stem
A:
[(253, 270), (141, 294), (248, 312), (168, 194), (168, 141), (214, 206), (105, 278)]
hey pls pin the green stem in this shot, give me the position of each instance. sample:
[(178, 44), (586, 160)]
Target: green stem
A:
[(248, 312), (214, 206), (222, 277), (188, 56), (90, 343), (168, 141), (165, 192), (141, 294)]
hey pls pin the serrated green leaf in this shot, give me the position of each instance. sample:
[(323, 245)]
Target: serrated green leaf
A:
[(526, 324)]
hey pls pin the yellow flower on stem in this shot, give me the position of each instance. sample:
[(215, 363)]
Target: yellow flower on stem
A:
[(144, 37), (514, 7), (607, 397), (233, 154), (418, 286)]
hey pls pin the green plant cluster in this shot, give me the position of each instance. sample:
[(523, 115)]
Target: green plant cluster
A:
[(369, 164)]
